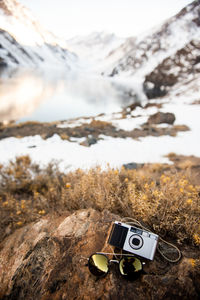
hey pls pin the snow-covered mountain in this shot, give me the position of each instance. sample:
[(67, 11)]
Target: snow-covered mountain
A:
[(95, 47), (164, 55), (139, 67), (24, 42)]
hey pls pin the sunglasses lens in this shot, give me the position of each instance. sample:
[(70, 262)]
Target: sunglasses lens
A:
[(98, 264), (130, 267)]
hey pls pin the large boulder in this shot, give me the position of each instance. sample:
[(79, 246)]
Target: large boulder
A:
[(46, 260)]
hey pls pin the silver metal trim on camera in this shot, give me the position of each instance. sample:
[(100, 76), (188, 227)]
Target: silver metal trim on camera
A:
[(136, 242)]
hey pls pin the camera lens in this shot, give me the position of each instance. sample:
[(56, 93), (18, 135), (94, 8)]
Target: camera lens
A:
[(136, 242)]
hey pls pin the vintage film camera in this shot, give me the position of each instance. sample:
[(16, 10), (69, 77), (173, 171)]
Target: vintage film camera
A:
[(133, 239)]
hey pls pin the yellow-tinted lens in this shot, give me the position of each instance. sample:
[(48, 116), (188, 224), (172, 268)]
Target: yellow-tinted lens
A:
[(98, 264), (130, 267)]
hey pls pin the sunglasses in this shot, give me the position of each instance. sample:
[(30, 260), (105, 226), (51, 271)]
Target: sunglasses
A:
[(130, 267)]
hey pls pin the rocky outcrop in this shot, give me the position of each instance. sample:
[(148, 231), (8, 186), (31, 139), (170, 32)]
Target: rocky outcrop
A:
[(47, 260), (183, 65), (14, 54), (150, 50), (164, 56)]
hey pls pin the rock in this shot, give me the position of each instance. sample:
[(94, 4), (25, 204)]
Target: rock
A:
[(89, 141), (134, 105), (133, 165), (92, 141), (161, 117), (89, 129), (153, 91), (47, 260)]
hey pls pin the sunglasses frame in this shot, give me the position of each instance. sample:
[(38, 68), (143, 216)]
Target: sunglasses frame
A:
[(115, 261)]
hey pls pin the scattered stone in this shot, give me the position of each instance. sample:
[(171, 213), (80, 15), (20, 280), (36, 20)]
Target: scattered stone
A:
[(128, 109), (89, 129), (32, 146), (132, 166), (161, 117), (89, 141), (134, 105)]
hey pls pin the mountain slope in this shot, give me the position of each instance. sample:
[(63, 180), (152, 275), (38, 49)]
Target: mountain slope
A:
[(151, 49), (24, 42), (183, 66), (95, 47)]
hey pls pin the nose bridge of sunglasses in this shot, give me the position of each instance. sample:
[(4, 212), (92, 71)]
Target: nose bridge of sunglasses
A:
[(114, 261)]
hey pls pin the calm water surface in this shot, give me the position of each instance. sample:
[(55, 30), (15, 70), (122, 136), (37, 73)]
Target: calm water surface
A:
[(30, 96)]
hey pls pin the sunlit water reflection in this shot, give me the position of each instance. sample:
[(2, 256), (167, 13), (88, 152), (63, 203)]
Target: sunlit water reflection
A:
[(30, 96)]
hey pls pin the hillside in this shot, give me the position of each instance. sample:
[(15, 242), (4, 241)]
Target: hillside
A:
[(93, 49), (97, 43), (162, 46), (24, 43)]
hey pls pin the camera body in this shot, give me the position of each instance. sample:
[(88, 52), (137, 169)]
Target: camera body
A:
[(133, 239)]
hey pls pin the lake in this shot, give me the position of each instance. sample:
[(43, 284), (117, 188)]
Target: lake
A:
[(54, 95)]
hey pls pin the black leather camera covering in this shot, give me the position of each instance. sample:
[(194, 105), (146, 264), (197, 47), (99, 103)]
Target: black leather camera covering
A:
[(118, 236)]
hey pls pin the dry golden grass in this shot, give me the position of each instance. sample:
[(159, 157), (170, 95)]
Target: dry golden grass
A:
[(64, 136), (99, 124), (165, 201), (27, 123)]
